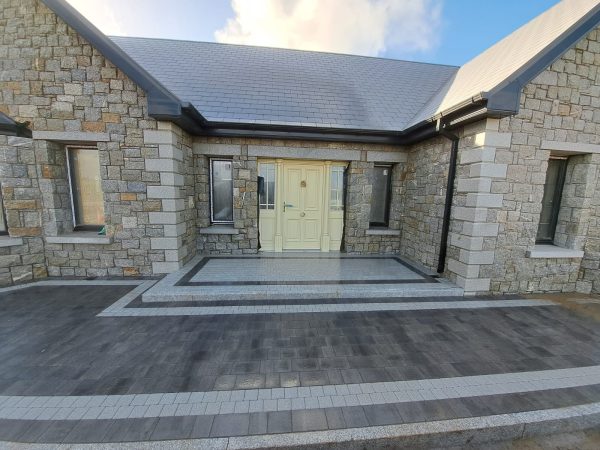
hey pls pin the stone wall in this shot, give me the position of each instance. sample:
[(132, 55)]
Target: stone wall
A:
[(558, 106), (22, 254), (425, 196), (245, 154), (71, 94)]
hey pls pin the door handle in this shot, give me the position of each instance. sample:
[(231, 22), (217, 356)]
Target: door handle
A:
[(302, 214), (286, 205)]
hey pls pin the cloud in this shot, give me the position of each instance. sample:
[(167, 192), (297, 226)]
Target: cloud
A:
[(101, 14), (364, 27)]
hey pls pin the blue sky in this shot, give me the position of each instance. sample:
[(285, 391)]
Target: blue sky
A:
[(437, 31)]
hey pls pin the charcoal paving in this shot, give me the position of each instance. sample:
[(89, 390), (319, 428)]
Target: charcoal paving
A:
[(73, 375)]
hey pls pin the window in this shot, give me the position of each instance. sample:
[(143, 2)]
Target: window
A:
[(86, 192), (221, 191), (380, 199), (336, 202), (3, 226), (267, 192), (555, 179)]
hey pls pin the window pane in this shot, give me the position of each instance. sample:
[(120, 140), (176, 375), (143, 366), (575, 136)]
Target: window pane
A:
[(267, 195), (380, 196), (3, 228), (222, 191), (85, 186), (551, 199), (337, 188)]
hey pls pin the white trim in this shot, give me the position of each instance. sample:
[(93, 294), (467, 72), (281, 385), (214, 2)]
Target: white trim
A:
[(541, 251), (8, 241), (570, 147)]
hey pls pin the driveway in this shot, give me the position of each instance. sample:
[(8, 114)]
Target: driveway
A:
[(70, 374)]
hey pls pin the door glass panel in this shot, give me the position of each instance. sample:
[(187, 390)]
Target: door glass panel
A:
[(267, 195), (86, 190), (222, 191), (380, 195), (336, 202), (551, 199)]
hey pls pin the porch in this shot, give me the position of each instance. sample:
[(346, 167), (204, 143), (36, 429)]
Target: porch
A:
[(299, 276)]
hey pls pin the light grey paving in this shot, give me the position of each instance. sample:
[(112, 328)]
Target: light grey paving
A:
[(294, 264), (303, 269), (320, 308), (279, 399)]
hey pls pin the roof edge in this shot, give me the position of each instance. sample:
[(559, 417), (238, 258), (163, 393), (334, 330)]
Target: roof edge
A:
[(160, 99), (10, 127), (506, 96)]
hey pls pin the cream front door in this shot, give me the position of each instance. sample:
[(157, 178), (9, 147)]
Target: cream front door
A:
[(302, 214)]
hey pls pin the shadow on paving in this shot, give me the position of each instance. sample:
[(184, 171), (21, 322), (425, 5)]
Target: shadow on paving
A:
[(53, 344)]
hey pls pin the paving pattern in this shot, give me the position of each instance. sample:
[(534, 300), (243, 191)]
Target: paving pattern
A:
[(290, 276), (302, 270), (72, 374)]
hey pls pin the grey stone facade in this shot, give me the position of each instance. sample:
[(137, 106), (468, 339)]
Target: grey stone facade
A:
[(155, 176)]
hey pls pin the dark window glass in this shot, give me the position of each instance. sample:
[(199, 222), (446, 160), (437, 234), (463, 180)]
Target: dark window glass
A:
[(86, 189), (3, 227), (380, 199), (221, 191), (555, 178)]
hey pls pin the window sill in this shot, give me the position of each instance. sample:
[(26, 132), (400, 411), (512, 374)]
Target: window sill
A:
[(80, 237), (7, 241), (219, 229), (382, 232), (547, 251)]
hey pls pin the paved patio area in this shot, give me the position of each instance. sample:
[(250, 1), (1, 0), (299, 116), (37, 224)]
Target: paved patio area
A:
[(294, 275), (71, 372)]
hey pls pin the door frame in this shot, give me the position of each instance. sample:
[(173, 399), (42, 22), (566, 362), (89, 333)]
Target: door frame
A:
[(277, 217)]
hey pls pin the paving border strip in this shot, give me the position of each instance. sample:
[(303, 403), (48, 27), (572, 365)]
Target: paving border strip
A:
[(169, 404), (433, 434)]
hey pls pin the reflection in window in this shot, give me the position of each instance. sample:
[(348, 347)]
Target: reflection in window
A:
[(221, 190), (267, 193), (336, 202), (555, 178), (3, 227), (380, 198), (86, 190)]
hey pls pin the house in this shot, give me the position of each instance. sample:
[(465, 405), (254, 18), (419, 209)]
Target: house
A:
[(145, 152)]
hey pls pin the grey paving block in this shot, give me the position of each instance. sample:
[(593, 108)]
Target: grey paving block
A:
[(230, 425), (309, 420)]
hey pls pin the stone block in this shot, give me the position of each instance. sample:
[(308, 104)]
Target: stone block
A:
[(487, 169), (484, 200), (165, 243), (163, 192), (474, 185), (159, 137)]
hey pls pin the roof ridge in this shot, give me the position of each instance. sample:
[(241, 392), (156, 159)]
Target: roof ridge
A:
[(286, 49)]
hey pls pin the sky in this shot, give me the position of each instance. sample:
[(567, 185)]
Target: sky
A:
[(436, 31)]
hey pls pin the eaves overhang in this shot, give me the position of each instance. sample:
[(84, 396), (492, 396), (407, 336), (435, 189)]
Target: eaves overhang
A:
[(10, 127)]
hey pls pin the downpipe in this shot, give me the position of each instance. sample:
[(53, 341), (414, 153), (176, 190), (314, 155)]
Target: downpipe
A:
[(443, 131)]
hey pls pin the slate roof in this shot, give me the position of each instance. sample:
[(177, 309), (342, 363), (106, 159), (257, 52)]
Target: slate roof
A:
[(504, 60), (247, 84)]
